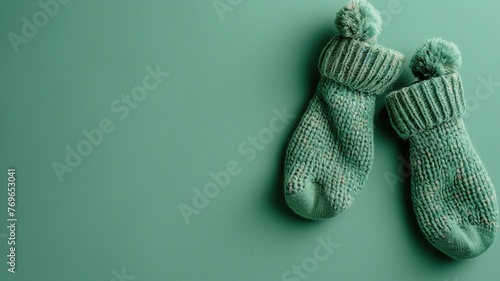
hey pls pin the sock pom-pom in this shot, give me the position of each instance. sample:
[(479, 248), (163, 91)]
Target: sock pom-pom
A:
[(435, 58), (359, 20)]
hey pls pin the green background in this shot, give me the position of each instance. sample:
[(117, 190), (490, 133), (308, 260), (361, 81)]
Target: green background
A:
[(119, 208)]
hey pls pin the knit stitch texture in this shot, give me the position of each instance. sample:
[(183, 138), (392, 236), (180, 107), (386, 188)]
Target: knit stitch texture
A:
[(331, 152), (453, 197)]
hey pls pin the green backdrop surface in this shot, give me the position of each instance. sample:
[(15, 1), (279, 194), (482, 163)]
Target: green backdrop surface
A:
[(117, 115)]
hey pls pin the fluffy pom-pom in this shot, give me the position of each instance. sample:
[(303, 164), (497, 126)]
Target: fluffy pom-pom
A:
[(436, 57), (359, 20)]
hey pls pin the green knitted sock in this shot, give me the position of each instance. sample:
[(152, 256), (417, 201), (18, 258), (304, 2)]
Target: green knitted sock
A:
[(331, 152), (453, 197)]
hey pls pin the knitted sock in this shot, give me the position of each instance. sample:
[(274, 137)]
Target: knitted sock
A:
[(331, 152), (453, 197)]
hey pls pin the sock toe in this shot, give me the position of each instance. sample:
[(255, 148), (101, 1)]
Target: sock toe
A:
[(312, 202), (465, 242)]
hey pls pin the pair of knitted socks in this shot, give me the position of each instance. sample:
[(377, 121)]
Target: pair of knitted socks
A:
[(331, 152)]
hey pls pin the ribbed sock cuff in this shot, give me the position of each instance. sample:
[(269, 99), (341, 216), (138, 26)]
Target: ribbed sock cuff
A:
[(426, 104), (359, 65)]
